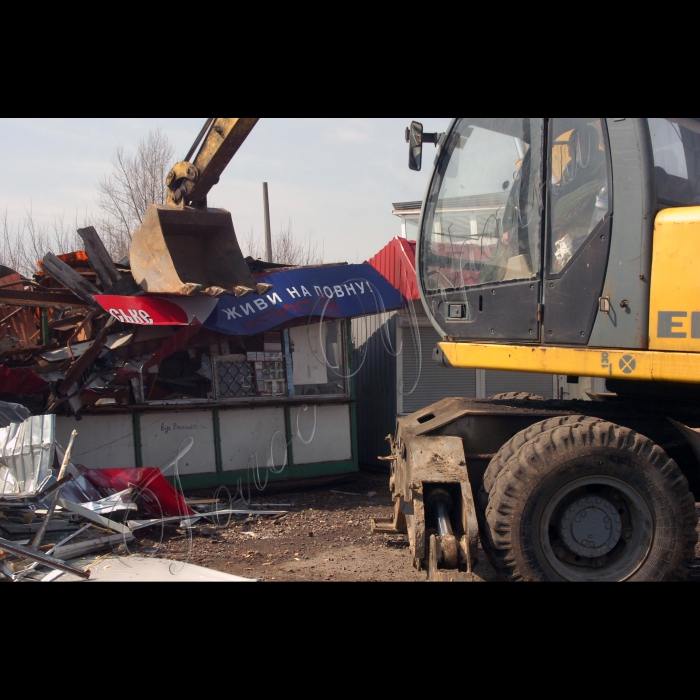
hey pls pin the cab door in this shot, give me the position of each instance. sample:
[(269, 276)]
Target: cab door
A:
[(480, 253), (578, 227)]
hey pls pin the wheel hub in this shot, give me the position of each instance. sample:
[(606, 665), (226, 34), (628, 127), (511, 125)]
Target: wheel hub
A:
[(591, 527)]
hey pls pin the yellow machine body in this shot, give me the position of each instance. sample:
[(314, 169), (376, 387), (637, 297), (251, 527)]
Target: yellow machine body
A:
[(675, 283), (640, 365), (674, 326)]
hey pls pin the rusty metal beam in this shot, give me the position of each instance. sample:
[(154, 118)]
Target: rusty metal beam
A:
[(47, 300), (69, 278), (67, 323), (44, 559), (84, 361), (99, 258)]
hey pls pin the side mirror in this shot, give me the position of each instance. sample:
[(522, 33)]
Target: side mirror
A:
[(414, 138)]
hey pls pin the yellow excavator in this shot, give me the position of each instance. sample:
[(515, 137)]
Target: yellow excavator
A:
[(184, 247), (555, 245), (565, 246)]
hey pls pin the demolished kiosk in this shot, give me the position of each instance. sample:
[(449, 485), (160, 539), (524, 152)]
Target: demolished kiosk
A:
[(262, 382)]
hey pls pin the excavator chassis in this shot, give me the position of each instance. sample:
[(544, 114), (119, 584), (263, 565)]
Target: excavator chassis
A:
[(435, 481), (439, 456)]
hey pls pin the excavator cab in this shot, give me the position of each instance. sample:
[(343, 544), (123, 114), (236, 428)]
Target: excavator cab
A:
[(564, 246), (539, 231), (184, 247)]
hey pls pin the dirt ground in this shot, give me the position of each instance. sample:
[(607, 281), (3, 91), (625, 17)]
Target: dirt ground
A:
[(325, 536)]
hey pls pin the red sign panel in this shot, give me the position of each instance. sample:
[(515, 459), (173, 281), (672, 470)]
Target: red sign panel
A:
[(144, 311)]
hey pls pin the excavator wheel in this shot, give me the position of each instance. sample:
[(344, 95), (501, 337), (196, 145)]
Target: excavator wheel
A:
[(499, 462), (519, 439), (592, 501), (516, 396)]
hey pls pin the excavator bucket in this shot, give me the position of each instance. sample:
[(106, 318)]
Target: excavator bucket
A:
[(190, 251)]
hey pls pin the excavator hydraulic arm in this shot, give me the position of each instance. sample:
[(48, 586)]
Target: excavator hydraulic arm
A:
[(183, 247), (190, 183)]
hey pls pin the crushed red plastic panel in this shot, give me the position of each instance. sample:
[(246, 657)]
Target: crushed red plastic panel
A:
[(153, 492)]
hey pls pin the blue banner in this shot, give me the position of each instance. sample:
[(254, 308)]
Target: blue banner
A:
[(332, 292)]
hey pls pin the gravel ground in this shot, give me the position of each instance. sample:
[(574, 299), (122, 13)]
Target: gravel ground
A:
[(325, 536)]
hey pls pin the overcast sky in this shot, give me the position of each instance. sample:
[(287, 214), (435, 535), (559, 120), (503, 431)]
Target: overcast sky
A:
[(336, 179)]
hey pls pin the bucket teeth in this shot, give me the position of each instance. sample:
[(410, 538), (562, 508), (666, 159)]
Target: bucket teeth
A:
[(188, 251), (242, 291)]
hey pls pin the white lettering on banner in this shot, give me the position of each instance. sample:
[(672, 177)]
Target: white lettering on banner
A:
[(260, 304), (232, 313), (138, 317)]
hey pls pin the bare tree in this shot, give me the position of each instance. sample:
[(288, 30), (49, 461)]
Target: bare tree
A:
[(24, 244), (12, 249), (286, 248), (137, 179)]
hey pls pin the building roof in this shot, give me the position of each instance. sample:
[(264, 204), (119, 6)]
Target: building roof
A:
[(407, 208), (397, 264)]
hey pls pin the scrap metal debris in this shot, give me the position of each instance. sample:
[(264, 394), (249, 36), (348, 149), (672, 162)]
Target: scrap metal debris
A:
[(62, 352), (12, 413), (53, 514)]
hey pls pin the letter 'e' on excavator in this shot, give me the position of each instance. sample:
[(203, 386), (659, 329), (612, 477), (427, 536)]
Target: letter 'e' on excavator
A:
[(560, 246), (184, 247)]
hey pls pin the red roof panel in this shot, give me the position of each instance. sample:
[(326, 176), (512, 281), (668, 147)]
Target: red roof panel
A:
[(397, 264)]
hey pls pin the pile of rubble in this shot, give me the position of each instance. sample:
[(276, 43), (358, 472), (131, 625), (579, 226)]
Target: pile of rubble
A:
[(63, 348), (57, 345), (53, 512), (60, 351)]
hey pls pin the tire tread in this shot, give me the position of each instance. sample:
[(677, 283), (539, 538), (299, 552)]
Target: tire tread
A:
[(670, 557)]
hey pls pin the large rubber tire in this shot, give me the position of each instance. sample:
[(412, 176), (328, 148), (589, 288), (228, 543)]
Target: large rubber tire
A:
[(592, 462), (497, 464), (519, 439)]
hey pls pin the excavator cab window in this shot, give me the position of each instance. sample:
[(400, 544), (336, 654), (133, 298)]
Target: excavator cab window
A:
[(676, 147), (578, 186), (483, 217)]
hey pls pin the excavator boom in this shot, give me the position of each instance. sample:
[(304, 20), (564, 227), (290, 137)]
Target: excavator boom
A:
[(223, 136)]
